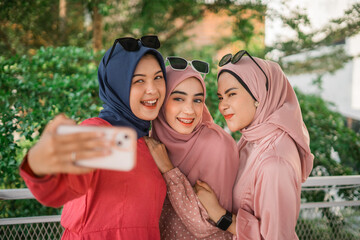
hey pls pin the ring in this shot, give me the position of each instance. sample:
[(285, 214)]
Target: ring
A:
[(73, 156)]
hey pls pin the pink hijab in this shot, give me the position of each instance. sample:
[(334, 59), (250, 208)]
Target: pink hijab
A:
[(208, 153), (278, 109)]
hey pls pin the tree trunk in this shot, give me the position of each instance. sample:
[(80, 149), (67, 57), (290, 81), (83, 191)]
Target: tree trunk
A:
[(62, 20), (97, 29)]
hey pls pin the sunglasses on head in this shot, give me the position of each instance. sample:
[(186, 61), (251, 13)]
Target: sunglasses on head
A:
[(178, 63), (229, 58), (131, 44)]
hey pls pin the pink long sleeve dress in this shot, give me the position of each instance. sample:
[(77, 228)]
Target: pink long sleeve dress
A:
[(267, 192)]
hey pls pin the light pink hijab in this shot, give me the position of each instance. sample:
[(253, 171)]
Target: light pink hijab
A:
[(278, 110), (208, 153)]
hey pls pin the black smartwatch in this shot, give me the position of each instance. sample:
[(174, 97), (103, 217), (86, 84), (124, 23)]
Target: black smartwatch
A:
[(225, 221)]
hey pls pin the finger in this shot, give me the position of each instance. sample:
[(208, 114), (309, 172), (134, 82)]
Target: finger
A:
[(78, 146), (80, 136), (147, 140), (58, 120), (154, 141), (204, 185), (75, 156), (201, 191), (198, 188), (150, 142)]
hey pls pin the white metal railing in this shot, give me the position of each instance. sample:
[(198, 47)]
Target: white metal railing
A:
[(14, 194), (335, 217), (23, 193), (328, 184), (26, 220), (332, 180), (20, 228)]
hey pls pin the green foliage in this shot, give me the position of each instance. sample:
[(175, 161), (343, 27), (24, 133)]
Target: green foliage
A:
[(167, 19), (328, 133), (32, 91)]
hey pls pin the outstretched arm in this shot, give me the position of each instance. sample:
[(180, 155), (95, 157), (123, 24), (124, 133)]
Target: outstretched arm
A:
[(55, 153), (50, 164)]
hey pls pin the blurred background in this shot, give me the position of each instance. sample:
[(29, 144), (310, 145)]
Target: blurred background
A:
[(50, 50)]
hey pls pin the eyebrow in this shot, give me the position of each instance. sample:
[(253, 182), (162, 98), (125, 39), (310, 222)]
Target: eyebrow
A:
[(179, 92), (184, 93), (143, 75), (230, 89)]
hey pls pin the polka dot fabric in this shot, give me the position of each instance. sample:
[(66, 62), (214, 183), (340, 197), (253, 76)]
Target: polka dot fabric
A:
[(183, 216)]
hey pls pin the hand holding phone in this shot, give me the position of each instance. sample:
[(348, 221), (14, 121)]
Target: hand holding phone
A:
[(123, 147)]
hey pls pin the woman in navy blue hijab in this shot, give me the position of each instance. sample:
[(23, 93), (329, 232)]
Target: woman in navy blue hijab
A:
[(104, 204), (115, 74)]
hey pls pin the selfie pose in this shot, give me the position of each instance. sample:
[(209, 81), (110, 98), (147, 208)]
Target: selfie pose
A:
[(256, 99), (106, 204), (193, 147)]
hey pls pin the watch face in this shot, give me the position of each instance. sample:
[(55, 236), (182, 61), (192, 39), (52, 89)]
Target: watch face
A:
[(225, 221)]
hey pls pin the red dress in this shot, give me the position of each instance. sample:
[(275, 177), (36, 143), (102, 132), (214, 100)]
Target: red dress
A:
[(105, 204)]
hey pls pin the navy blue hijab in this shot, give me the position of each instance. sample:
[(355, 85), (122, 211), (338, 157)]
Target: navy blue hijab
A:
[(115, 83)]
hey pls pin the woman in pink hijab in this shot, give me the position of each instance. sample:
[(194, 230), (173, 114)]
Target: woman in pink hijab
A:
[(196, 148), (257, 100)]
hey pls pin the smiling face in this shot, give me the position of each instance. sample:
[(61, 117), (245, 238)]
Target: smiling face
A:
[(235, 103), (183, 110), (148, 88)]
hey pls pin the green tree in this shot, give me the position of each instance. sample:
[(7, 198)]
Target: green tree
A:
[(29, 25)]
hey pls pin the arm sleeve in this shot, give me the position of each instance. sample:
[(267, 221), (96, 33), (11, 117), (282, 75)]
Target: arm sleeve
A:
[(276, 204), (187, 205), (247, 226), (55, 190)]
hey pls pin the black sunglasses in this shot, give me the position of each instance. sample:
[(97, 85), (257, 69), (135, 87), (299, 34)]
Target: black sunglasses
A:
[(131, 44), (178, 63), (229, 58)]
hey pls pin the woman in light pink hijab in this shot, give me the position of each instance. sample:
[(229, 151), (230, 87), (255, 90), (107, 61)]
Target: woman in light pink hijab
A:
[(196, 148), (257, 100)]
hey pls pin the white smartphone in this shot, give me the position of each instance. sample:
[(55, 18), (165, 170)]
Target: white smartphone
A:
[(123, 149)]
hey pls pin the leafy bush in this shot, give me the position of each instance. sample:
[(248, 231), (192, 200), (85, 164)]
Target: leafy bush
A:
[(329, 135), (33, 90)]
